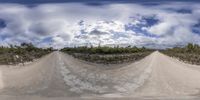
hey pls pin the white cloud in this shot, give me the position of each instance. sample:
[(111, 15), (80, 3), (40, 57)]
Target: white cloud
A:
[(72, 24)]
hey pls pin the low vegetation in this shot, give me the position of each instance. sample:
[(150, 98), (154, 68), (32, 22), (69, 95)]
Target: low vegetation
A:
[(26, 52), (107, 55), (190, 53)]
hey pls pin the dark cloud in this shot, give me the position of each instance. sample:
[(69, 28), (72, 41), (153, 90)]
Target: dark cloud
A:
[(95, 3), (39, 28), (184, 11), (197, 25), (97, 32), (196, 28), (2, 23)]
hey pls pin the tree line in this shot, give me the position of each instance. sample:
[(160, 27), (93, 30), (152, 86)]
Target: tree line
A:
[(189, 53), (108, 55), (189, 48), (104, 50)]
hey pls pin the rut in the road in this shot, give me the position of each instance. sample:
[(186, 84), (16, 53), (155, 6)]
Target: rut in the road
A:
[(61, 74)]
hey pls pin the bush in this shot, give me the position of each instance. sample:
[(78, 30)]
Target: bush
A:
[(108, 55), (20, 54), (104, 50), (190, 53)]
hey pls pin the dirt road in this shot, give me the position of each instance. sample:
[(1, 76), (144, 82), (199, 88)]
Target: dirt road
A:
[(58, 76)]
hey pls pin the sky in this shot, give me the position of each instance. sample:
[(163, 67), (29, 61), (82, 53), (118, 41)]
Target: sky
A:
[(68, 23)]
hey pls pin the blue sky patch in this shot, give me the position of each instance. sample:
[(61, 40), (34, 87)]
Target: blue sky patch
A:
[(47, 40), (150, 21), (145, 21), (138, 30)]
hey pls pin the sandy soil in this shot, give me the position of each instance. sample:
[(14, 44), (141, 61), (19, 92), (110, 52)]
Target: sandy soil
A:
[(59, 76)]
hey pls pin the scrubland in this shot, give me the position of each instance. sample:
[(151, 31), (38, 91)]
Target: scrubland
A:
[(189, 53), (26, 52), (108, 55)]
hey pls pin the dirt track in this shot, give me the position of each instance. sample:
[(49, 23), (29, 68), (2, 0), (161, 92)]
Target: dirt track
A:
[(59, 76)]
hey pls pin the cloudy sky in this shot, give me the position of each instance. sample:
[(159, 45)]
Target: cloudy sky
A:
[(59, 23)]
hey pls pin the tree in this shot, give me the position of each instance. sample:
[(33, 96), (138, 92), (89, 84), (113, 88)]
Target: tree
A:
[(190, 47)]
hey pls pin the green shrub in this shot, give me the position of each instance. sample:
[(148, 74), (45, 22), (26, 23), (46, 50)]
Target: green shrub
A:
[(108, 55), (20, 54), (190, 53)]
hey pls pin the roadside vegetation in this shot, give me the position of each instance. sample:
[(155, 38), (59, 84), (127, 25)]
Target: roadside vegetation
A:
[(26, 52), (108, 55), (190, 53)]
